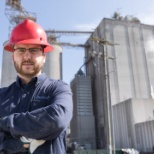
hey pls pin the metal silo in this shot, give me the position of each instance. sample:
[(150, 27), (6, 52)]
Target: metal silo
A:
[(8, 74), (53, 64)]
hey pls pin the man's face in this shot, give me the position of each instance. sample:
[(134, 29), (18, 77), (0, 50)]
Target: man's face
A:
[(28, 63)]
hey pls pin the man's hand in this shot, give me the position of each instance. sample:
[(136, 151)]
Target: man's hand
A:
[(26, 146), (31, 144)]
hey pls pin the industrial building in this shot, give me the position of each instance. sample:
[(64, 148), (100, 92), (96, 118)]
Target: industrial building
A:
[(83, 122), (120, 61)]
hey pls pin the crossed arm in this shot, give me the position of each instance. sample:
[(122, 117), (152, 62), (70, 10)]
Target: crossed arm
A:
[(45, 123)]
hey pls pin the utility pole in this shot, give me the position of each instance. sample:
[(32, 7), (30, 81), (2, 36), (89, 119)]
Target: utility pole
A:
[(104, 43), (109, 105)]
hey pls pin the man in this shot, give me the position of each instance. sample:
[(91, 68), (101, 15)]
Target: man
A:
[(35, 110)]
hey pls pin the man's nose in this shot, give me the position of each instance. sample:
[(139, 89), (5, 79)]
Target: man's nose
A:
[(27, 55)]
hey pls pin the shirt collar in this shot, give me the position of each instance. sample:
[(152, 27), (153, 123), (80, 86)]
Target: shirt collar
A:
[(34, 81)]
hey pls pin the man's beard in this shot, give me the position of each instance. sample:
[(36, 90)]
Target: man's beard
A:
[(30, 74)]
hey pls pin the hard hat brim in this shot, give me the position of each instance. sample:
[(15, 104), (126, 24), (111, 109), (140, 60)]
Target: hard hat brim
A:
[(9, 46)]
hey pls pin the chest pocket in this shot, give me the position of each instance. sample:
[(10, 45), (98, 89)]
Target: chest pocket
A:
[(39, 102)]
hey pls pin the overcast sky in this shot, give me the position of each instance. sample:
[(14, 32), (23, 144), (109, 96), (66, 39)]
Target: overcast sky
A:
[(79, 15)]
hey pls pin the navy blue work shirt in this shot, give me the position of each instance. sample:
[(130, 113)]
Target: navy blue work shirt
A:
[(42, 109)]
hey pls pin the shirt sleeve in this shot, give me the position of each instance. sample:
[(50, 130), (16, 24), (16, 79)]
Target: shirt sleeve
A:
[(44, 123)]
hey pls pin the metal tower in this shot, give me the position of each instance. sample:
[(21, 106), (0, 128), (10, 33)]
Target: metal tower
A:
[(16, 13)]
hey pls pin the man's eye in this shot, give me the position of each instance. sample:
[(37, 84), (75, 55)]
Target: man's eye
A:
[(33, 50), (21, 50)]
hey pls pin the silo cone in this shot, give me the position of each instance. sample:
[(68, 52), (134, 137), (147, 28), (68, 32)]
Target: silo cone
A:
[(53, 64)]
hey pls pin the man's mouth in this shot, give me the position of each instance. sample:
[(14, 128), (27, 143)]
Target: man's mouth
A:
[(27, 63)]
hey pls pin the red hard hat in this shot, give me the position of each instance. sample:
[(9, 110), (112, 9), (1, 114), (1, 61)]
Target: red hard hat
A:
[(28, 32)]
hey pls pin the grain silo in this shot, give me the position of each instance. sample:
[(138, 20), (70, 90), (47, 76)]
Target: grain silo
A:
[(8, 74), (53, 64)]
